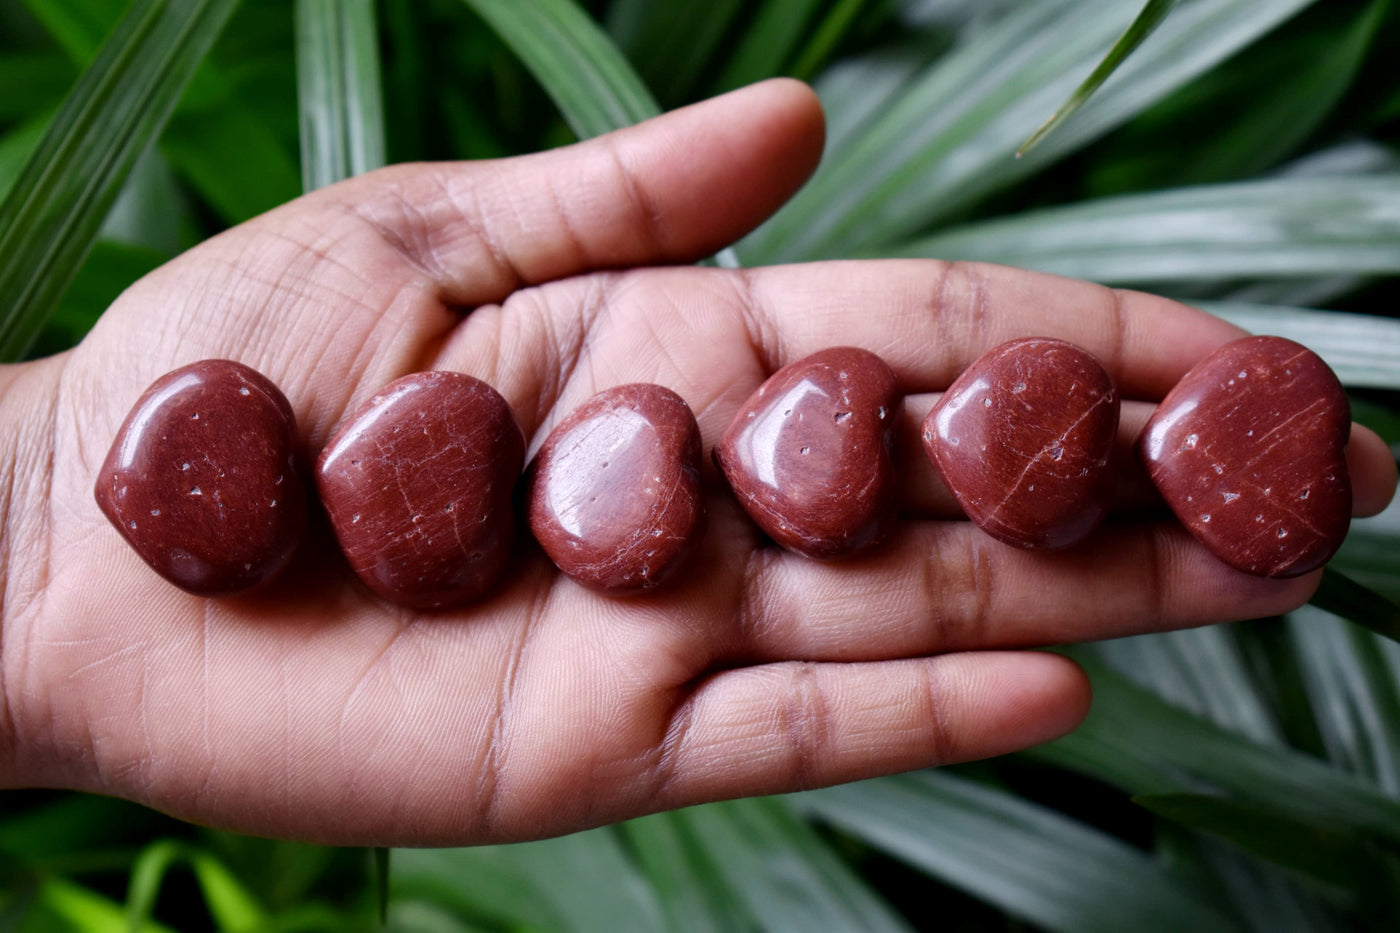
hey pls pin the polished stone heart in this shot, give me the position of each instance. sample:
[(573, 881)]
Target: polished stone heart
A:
[(810, 455), (1249, 450), (418, 483), (1024, 439), (614, 492), (201, 479)]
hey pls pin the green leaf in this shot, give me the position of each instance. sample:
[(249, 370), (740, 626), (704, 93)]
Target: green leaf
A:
[(1201, 670), (1343, 596), (230, 904), (1135, 740), (342, 113), (1354, 695), (585, 75), (782, 871), (1028, 860), (1285, 228), (829, 33), (63, 905), (17, 146), (51, 218), (1342, 861), (580, 882), (381, 856), (1147, 21), (768, 42), (214, 139), (33, 81), (951, 136), (688, 882), (1363, 349), (671, 43)]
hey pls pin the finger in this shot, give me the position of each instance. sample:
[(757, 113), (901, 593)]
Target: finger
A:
[(930, 320), (924, 495), (946, 586), (793, 726), (1372, 466), (672, 189), (713, 335)]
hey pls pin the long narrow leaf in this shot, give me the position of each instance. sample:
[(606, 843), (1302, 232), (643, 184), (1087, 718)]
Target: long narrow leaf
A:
[(783, 872), (1286, 228), (767, 42), (585, 75), (1364, 350), (1147, 21), (50, 219), (1137, 741), (690, 887), (1354, 697), (1345, 597), (342, 112), (951, 136), (1030, 861)]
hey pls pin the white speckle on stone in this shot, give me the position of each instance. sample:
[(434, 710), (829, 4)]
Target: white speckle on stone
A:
[(1230, 496), (1218, 469), (1018, 388), (196, 491), (1243, 374), (1205, 517), (354, 518), (1304, 494), (184, 466), (1190, 442), (1282, 532), (243, 390), (987, 402), (155, 513), (131, 525)]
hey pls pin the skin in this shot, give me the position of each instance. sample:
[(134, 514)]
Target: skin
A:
[(311, 710)]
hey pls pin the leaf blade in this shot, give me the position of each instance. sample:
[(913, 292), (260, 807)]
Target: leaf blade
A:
[(338, 90)]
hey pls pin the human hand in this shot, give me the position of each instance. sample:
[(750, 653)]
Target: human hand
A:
[(309, 709)]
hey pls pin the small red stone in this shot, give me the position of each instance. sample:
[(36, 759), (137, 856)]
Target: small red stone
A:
[(417, 484), (810, 455), (1249, 450), (614, 492), (202, 481), (1024, 439)]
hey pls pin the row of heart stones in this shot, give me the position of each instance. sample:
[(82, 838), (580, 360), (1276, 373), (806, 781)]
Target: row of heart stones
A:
[(419, 483)]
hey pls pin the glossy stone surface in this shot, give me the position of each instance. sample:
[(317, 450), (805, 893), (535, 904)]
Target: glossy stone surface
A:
[(201, 479), (614, 492), (417, 483), (1249, 450), (810, 454), (1024, 439)]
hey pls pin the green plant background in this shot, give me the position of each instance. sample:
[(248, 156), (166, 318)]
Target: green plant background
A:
[(1243, 157)]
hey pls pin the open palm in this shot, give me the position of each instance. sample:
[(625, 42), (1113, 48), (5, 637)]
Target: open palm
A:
[(310, 709)]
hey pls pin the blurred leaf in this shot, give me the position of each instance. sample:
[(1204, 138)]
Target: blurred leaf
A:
[(1147, 21), (782, 871), (1033, 862), (230, 904), (1264, 103), (72, 822), (1354, 697), (51, 217), (768, 42), (33, 81), (1135, 740), (1343, 861), (1363, 350), (1201, 670), (1345, 597), (152, 212), (381, 856), (225, 149), (950, 136), (63, 905), (1285, 228), (582, 71), (580, 882), (671, 43), (688, 882), (17, 146), (342, 115), (829, 34)]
